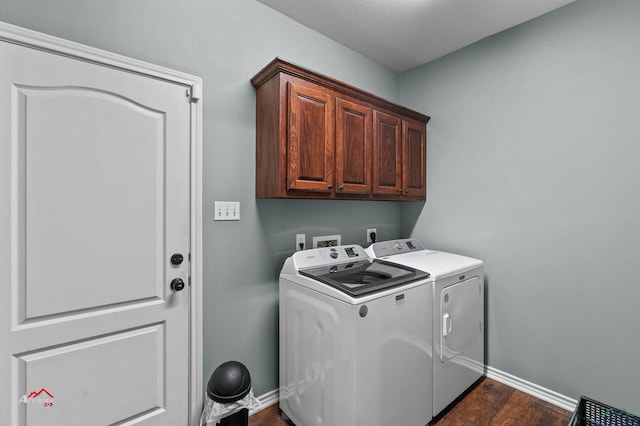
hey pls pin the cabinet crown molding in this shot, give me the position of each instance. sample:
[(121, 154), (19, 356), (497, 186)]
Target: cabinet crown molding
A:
[(279, 65)]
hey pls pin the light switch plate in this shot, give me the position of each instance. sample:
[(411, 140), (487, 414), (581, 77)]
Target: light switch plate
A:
[(226, 210)]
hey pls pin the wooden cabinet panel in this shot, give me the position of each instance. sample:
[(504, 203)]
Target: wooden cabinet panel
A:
[(311, 139), (387, 154), (271, 151), (353, 148), (317, 137), (414, 159)]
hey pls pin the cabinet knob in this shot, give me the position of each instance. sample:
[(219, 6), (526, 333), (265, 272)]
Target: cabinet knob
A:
[(406, 191), (341, 187), (330, 187)]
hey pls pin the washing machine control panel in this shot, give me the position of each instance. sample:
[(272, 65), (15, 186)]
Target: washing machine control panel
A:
[(328, 255), (351, 252)]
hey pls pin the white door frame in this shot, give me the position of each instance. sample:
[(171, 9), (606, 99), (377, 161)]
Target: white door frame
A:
[(193, 89)]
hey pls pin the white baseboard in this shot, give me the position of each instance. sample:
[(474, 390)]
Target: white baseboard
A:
[(532, 389), (267, 400), (270, 398)]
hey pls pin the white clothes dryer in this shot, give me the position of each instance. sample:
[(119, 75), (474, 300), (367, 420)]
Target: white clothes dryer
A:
[(458, 314), (355, 340)]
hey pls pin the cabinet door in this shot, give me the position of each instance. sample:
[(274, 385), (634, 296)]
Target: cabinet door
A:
[(353, 148), (387, 159), (414, 159), (310, 139)]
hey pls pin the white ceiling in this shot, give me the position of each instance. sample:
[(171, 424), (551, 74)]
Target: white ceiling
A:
[(403, 34)]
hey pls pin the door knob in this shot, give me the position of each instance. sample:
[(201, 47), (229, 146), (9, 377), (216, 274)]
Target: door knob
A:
[(177, 284), (177, 259)]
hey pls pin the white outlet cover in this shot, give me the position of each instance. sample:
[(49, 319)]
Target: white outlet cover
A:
[(301, 239)]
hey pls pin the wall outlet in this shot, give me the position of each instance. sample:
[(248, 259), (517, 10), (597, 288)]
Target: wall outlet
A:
[(326, 241), (226, 210), (373, 231), (301, 242)]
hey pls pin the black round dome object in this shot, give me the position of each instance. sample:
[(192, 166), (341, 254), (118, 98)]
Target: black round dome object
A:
[(230, 382)]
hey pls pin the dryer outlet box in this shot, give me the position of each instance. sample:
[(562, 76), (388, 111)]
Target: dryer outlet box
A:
[(326, 241)]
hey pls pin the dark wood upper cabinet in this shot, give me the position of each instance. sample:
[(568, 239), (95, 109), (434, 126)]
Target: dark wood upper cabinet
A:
[(317, 137), (414, 160), (353, 148), (387, 155), (310, 139)]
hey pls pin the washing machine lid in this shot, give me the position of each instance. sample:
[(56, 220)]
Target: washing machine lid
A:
[(439, 264), (363, 277)]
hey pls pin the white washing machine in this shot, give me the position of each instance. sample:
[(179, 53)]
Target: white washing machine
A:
[(458, 321), (355, 340)]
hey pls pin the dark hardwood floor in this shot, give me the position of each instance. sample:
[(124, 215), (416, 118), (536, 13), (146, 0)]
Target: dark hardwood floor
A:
[(487, 403)]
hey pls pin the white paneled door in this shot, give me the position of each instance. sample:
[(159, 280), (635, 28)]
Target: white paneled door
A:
[(94, 204)]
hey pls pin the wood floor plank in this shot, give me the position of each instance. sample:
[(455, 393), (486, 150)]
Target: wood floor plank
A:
[(487, 403), (520, 410), (270, 416), (523, 409), (478, 406)]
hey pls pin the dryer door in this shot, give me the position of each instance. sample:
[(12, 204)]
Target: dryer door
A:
[(461, 321)]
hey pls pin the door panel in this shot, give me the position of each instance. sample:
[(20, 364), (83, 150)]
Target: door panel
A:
[(353, 148), (71, 192), (461, 309), (387, 160), (310, 139), (95, 191), (414, 151), (92, 393)]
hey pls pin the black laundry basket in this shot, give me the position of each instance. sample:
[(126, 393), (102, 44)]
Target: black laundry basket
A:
[(593, 413)]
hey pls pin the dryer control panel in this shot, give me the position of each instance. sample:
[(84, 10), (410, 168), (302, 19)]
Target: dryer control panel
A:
[(388, 248)]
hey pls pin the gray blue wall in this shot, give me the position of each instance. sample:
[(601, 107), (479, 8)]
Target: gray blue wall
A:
[(534, 166), (227, 42)]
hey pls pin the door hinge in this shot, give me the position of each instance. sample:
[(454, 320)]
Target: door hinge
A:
[(194, 93)]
